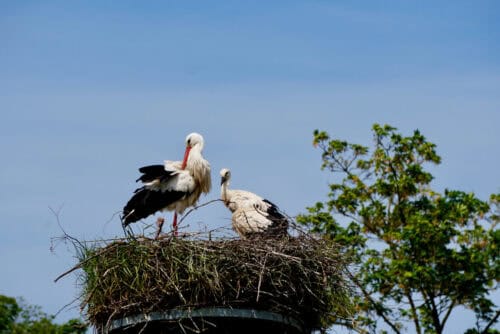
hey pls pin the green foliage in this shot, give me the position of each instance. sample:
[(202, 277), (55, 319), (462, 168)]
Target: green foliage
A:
[(20, 318), (475, 331), (419, 253), (9, 309)]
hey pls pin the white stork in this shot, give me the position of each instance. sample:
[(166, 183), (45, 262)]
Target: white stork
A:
[(173, 186), (252, 215)]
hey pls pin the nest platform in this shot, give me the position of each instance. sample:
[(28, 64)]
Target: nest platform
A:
[(187, 285)]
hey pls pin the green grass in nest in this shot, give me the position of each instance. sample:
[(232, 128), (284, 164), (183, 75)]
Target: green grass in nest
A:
[(300, 277)]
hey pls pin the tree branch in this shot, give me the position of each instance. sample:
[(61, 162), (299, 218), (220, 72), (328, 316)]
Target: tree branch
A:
[(492, 321), (448, 312), (373, 302), (414, 312), (429, 300)]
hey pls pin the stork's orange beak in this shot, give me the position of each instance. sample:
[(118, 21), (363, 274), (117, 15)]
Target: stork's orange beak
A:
[(186, 156)]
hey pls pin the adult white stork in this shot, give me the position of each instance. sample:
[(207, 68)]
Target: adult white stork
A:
[(252, 215), (173, 186)]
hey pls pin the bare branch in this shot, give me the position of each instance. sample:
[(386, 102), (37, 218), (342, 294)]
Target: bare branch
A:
[(197, 207), (56, 214)]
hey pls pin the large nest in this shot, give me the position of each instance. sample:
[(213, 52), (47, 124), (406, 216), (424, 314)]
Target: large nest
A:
[(300, 277)]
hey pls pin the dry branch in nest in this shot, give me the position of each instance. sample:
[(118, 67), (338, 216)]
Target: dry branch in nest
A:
[(299, 277)]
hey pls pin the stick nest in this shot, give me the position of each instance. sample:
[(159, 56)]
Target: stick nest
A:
[(301, 277)]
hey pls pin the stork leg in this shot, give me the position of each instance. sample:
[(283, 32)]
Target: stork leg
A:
[(159, 224), (174, 224)]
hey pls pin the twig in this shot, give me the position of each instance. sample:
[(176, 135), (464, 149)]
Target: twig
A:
[(112, 217), (197, 207), (66, 235), (79, 265), (68, 304), (260, 278)]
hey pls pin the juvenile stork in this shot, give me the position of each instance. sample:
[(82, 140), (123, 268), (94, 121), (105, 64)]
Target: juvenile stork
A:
[(252, 216), (173, 186)]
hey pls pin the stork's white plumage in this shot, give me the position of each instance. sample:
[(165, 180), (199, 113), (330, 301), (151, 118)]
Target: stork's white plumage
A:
[(173, 186), (252, 215)]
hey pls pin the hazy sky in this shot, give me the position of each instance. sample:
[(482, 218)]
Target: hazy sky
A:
[(92, 90)]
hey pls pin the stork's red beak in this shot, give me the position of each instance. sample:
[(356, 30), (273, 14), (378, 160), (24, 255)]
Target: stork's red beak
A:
[(186, 156)]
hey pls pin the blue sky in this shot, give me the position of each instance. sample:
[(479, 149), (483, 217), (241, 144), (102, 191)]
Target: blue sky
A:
[(92, 90)]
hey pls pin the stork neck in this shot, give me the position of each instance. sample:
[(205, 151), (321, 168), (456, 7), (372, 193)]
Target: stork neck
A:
[(223, 191)]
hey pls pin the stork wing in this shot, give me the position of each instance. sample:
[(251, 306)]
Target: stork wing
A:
[(279, 224), (154, 173), (161, 189), (273, 211), (146, 202), (172, 165)]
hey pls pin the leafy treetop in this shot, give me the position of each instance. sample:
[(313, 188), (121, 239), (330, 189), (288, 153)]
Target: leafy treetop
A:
[(419, 253), (20, 318)]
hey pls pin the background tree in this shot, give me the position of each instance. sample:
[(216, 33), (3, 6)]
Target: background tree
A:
[(9, 309), (418, 253), (20, 318)]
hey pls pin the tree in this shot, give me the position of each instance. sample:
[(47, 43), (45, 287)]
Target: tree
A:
[(20, 318), (9, 309), (417, 253)]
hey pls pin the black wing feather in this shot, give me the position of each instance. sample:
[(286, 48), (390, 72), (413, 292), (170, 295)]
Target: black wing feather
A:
[(146, 202), (280, 222), (154, 172)]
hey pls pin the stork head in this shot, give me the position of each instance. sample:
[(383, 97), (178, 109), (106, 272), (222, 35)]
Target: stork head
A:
[(225, 174), (192, 140), (195, 139)]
